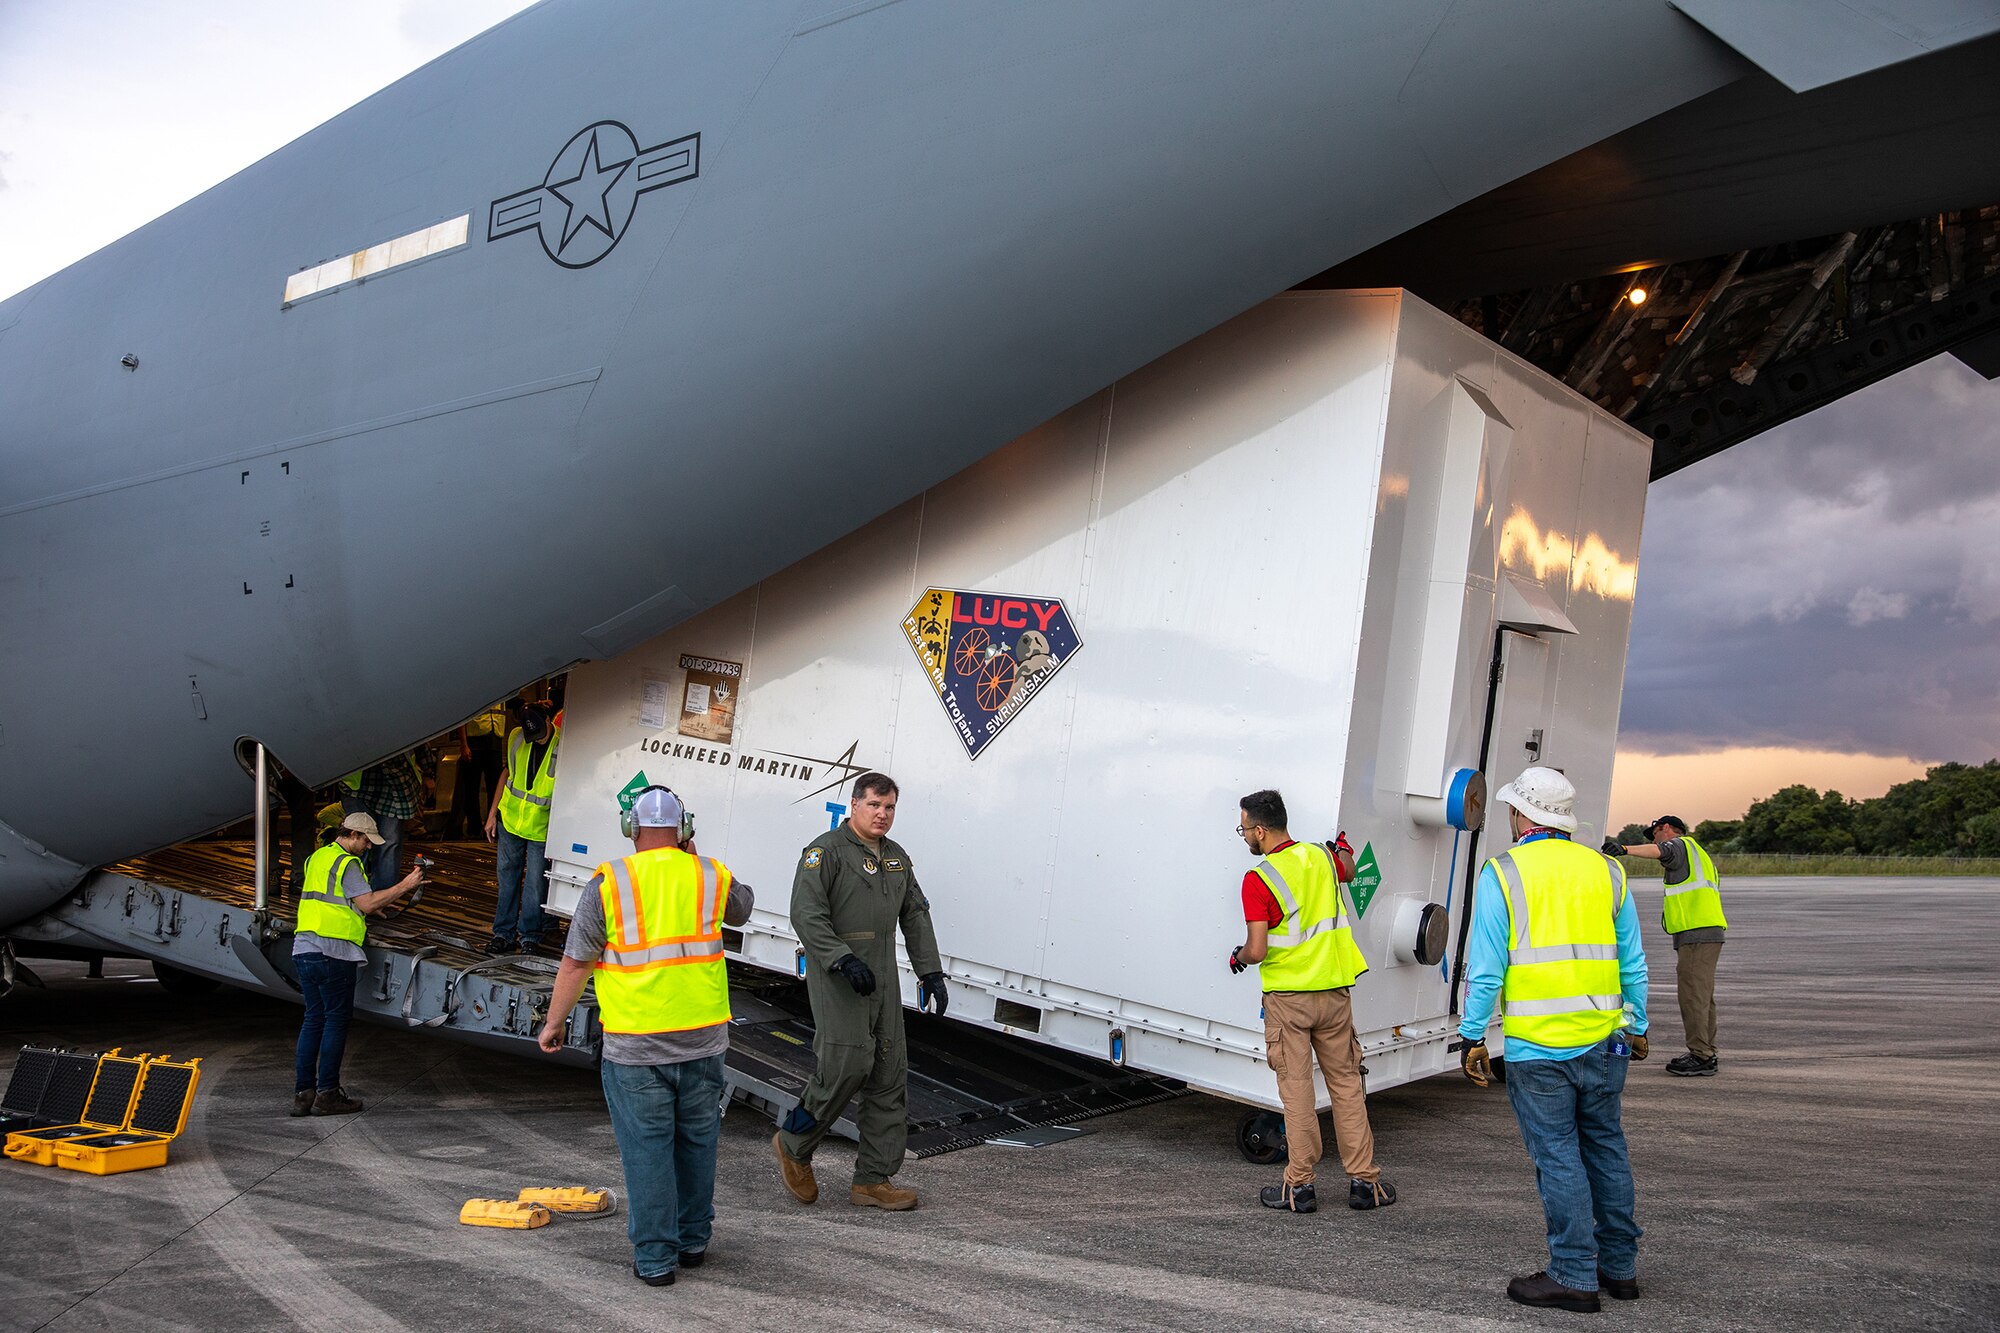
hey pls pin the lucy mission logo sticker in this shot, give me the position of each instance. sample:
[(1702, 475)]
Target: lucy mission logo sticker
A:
[(987, 655)]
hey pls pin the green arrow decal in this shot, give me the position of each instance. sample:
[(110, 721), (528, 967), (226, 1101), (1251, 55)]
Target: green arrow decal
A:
[(1367, 879), (630, 791)]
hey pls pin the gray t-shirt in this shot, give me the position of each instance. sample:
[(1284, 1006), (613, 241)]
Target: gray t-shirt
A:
[(1674, 861), (587, 936), (352, 883)]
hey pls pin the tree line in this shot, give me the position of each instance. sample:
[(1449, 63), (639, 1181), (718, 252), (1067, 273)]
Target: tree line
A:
[(1953, 810)]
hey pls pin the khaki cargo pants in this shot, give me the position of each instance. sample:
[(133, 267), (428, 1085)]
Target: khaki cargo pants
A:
[(1299, 1025), (1694, 978)]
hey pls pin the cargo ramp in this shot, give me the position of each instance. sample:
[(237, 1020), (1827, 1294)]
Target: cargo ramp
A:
[(190, 909)]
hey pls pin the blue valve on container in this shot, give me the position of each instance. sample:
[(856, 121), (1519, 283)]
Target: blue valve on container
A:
[(1465, 800)]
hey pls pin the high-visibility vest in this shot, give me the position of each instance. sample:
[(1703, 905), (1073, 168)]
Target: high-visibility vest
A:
[(323, 908), (1697, 900), (1562, 986), (491, 722), (662, 968), (1314, 948), (525, 809)]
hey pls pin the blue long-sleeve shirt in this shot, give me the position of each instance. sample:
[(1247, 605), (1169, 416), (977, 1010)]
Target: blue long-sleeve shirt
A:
[(1486, 965)]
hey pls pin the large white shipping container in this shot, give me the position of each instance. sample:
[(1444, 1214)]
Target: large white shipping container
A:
[(1289, 554)]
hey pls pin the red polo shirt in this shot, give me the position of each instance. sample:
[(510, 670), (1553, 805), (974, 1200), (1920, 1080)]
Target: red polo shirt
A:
[(1260, 904)]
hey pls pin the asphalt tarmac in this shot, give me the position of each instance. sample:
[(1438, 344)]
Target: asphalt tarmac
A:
[(1840, 1172)]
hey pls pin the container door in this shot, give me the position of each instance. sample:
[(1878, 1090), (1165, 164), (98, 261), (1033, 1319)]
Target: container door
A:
[(1522, 702)]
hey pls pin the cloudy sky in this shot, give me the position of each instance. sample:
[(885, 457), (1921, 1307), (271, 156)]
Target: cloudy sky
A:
[(1833, 588), (1819, 605)]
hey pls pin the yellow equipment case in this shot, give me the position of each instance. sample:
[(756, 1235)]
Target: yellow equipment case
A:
[(112, 1088), (159, 1113), (48, 1087)]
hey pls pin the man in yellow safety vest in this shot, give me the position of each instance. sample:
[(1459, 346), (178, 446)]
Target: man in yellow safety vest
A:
[(648, 928), (1300, 937), (1554, 939), (1691, 911), (519, 823), (334, 900)]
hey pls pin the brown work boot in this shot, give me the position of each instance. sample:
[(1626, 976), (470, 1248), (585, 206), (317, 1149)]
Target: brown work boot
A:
[(798, 1175), (884, 1196), (335, 1101)]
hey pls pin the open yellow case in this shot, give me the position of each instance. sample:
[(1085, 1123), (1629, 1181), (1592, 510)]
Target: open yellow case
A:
[(159, 1113), (114, 1087)]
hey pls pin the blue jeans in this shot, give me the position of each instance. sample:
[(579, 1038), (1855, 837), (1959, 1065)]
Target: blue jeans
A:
[(327, 985), (1568, 1112), (384, 861), (667, 1118), (523, 871)]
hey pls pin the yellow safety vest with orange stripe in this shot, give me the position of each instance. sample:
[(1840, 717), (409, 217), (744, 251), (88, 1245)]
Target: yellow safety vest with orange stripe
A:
[(1562, 987), (662, 968)]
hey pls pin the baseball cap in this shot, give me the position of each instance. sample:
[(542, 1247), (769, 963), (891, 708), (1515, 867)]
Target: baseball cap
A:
[(1679, 823), (363, 822), (656, 807)]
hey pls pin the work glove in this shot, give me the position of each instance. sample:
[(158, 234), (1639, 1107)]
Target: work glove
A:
[(1342, 845), (1236, 963), (857, 973), (1613, 847), (1640, 1046), (931, 994), (1475, 1064)]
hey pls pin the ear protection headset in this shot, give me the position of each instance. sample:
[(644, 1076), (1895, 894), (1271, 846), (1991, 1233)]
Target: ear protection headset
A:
[(628, 825)]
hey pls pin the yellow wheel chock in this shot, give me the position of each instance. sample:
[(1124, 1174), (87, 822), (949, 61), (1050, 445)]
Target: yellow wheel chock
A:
[(573, 1199), (509, 1213)]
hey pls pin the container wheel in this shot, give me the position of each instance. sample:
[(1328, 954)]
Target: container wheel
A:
[(996, 682), (174, 981), (1260, 1137), (970, 654)]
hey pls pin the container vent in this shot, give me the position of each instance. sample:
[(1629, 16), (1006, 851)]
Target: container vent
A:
[(1022, 1016)]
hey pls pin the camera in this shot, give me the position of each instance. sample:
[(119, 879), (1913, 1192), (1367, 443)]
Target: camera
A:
[(424, 864)]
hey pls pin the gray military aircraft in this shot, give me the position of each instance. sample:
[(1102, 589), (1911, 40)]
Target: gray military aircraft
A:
[(616, 309)]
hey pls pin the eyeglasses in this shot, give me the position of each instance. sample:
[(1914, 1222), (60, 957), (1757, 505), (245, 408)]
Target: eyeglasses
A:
[(1243, 830)]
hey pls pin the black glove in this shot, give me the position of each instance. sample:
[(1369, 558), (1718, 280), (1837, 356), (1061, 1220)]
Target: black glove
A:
[(931, 993), (1612, 847), (857, 973), (1236, 963)]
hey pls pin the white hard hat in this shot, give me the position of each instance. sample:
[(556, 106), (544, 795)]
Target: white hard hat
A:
[(1543, 795), (656, 807)]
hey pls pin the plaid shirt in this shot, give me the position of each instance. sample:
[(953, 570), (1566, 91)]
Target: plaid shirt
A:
[(394, 789)]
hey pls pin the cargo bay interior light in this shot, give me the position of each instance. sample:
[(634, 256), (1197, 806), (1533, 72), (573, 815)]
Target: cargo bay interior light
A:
[(447, 235), (1637, 296)]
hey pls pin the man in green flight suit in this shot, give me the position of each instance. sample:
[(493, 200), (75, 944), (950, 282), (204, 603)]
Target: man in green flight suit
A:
[(853, 887)]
